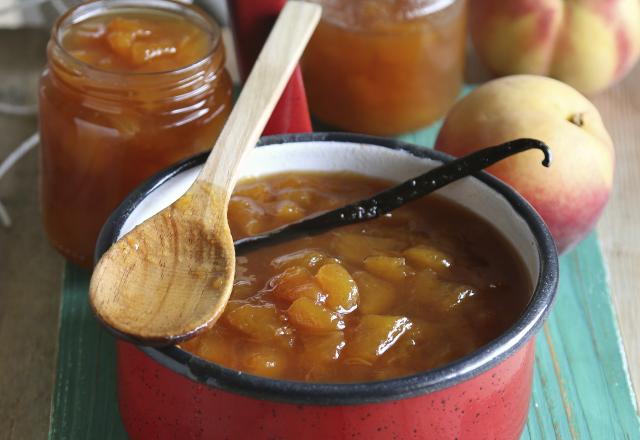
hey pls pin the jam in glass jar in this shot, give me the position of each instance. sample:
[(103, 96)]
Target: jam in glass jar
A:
[(131, 86), (385, 66)]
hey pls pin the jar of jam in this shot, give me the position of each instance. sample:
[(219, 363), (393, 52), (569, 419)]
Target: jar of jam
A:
[(385, 66), (130, 87)]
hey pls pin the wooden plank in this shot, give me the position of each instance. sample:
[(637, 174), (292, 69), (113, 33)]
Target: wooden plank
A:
[(30, 270), (584, 388), (618, 229), (84, 402)]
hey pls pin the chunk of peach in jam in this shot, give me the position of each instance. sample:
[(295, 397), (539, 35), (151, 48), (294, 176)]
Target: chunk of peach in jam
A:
[(247, 215), (256, 191), (122, 34), (216, 345), (423, 256), (341, 289), (243, 287), (438, 294), (373, 336), (455, 294), (308, 315), (376, 295), (287, 211), (258, 321), (300, 196), (354, 247), (265, 361), (322, 348), (424, 283), (137, 42), (393, 269), (308, 258), (296, 282)]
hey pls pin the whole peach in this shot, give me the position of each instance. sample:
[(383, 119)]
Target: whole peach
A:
[(589, 44), (571, 194)]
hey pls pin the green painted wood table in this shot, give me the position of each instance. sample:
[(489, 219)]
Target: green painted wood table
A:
[(581, 384)]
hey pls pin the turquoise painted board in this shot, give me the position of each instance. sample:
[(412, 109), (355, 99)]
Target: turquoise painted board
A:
[(581, 389), (84, 399)]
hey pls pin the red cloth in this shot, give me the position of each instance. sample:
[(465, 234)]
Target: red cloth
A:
[(252, 21)]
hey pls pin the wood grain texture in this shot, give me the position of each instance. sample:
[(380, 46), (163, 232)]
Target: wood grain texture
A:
[(84, 404), (30, 270), (581, 387), (618, 229), (171, 277)]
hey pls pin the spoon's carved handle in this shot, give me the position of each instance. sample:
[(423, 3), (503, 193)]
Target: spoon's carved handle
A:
[(260, 93), (387, 201)]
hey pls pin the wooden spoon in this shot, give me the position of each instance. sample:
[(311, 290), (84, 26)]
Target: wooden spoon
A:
[(171, 276), (396, 196)]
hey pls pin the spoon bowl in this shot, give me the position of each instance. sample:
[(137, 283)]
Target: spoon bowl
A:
[(183, 256)]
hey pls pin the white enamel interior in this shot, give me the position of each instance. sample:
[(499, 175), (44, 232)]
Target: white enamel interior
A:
[(370, 160)]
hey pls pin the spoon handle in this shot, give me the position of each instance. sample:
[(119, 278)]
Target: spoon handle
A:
[(388, 200), (260, 93)]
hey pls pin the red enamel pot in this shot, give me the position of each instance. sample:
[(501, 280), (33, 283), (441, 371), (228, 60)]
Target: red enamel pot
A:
[(167, 393)]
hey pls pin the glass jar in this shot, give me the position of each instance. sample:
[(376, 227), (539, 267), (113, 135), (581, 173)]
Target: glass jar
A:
[(103, 132), (385, 67)]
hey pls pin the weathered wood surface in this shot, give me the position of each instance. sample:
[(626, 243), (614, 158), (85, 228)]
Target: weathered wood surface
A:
[(29, 269), (619, 228)]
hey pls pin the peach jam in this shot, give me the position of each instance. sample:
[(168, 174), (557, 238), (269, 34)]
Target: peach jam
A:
[(130, 87), (413, 290), (385, 66)]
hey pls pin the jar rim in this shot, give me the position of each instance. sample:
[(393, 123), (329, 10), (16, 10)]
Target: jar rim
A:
[(94, 8)]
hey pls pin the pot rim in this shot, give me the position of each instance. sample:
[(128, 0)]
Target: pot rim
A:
[(465, 368)]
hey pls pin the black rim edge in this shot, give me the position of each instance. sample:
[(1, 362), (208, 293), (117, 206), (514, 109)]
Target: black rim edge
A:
[(462, 369)]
